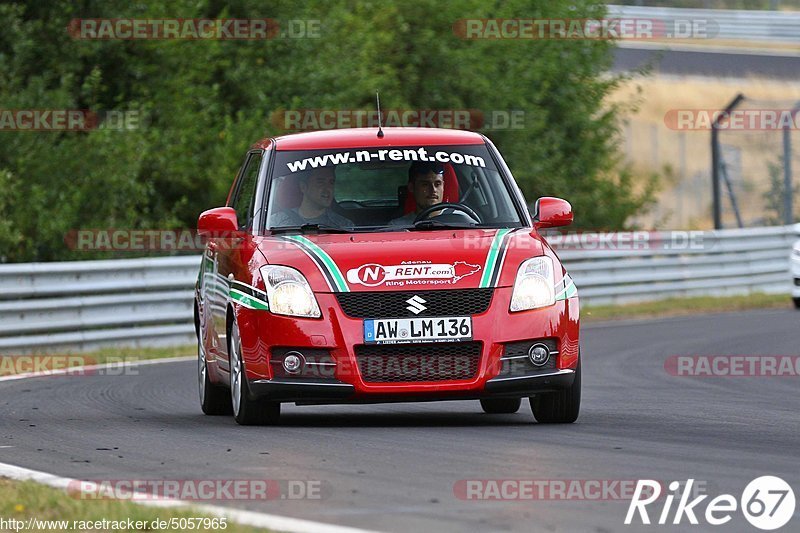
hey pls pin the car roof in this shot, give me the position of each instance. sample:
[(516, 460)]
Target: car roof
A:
[(368, 138)]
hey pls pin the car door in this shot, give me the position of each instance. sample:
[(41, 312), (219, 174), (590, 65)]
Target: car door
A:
[(232, 254)]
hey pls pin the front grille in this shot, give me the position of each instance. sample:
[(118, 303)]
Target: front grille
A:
[(393, 363), (515, 360), (385, 304)]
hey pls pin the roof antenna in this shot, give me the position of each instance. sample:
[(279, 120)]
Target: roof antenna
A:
[(378, 98)]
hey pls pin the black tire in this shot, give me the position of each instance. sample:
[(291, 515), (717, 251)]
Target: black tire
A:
[(796, 303), (214, 399), (247, 411), (561, 407), (501, 406)]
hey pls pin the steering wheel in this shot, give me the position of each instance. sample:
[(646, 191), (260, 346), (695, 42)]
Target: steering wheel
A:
[(445, 205)]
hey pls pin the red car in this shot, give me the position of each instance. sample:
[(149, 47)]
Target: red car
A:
[(366, 265)]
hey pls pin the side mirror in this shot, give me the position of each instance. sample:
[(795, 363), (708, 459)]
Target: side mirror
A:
[(218, 222), (552, 212)]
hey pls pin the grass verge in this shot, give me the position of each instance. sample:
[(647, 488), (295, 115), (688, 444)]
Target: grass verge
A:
[(112, 355), (685, 306), (26, 500)]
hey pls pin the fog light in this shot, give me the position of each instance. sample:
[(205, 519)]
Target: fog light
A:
[(538, 354), (293, 362)]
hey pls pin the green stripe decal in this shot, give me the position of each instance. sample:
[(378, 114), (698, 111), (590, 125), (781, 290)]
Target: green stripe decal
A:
[(248, 301), (322, 255), (491, 257)]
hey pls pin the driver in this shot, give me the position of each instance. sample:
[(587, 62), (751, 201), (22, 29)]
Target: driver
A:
[(318, 193), (426, 185)]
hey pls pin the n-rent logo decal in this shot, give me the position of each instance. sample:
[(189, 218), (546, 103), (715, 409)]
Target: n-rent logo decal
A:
[(411, 273)]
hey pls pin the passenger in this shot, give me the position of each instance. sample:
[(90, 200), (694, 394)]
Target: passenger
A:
[(317, 187)]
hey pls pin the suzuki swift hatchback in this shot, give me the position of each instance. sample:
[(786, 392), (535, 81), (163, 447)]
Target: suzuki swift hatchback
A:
[(357, 266)]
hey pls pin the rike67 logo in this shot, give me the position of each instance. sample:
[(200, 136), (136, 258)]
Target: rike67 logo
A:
[(767, 502), (411, 273)]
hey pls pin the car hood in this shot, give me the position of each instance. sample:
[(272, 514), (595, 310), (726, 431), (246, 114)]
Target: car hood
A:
[(394, 261)]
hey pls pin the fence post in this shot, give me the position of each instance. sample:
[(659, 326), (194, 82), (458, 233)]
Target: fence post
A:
[(715, 160), (788, 189)]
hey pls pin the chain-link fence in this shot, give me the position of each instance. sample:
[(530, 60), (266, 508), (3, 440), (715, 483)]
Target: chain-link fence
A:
[(758, 159), (758, 152)]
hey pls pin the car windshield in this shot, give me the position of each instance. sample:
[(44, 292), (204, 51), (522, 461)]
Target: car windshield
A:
[(399, 189)]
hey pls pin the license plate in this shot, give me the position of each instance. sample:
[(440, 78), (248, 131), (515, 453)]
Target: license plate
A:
[(406, 330)]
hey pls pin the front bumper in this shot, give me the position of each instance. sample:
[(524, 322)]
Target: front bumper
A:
[(263, 334), (319, 391)]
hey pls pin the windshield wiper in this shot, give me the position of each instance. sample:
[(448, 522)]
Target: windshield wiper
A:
[(311, 228), (436, 224)]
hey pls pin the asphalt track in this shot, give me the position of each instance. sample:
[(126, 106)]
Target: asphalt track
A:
[(731, 64), (394, 467)]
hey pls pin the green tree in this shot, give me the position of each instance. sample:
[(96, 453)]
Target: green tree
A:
[(204, 102)]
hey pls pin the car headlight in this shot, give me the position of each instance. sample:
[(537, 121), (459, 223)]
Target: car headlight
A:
[(288, 292), (534, 286)]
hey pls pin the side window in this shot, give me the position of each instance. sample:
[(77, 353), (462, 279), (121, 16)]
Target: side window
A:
[(243, 198)]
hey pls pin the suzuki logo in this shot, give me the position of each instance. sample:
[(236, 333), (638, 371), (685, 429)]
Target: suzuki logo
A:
[(415, 304)]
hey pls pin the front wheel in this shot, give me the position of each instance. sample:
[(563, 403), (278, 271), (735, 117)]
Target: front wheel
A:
[(501, 406), (246, 410), (560, 407), (214, 400)]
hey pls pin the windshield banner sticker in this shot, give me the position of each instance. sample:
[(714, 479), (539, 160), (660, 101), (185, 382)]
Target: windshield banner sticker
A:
[(411, 273), (367, 156)]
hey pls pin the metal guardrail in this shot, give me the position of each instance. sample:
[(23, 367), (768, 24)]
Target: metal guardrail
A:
[(733, 24), (148, 302), (727, 262), (87, 304)]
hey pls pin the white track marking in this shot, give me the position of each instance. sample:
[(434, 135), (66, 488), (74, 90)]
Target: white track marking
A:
[(92, 368), (250, 518)]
